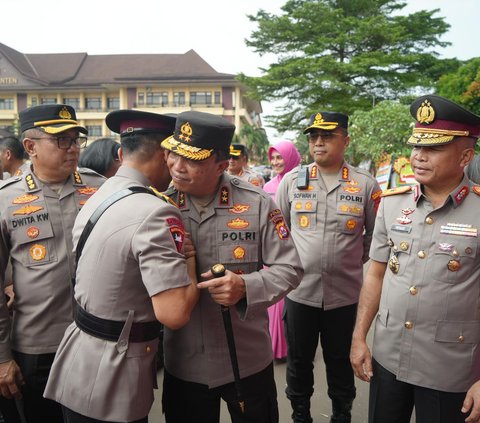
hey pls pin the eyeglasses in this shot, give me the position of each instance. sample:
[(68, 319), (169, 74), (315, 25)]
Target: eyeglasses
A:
[(235, 157), (325, 136), (64, 143)]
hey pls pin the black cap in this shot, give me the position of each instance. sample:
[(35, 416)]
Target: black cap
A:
[(237, 150), (327, 121), (439, 121), (198, 135), (134, 122), (51, 118)]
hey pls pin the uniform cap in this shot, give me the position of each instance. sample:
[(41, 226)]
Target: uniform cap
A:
[(51, 118), (439, 120), (237, 150), (135, 122), (328, 121), (198, 135)]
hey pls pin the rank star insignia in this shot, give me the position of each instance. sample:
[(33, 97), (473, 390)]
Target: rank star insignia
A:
[(224, 196), (27, 210), (25, 198)]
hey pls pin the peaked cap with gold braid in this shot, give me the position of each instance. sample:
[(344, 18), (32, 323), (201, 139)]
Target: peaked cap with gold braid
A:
[(328, 121), (198, 135), (51, 118), (439, 121)]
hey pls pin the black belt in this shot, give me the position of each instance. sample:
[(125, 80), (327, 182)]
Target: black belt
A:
[(110, 330)]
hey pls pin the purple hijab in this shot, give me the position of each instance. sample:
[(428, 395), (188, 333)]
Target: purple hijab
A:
[(292, 158)]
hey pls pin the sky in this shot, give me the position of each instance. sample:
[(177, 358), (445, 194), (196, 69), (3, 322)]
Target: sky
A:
[(215, 29)]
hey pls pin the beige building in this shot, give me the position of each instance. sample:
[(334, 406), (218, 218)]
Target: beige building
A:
[(97, 84)]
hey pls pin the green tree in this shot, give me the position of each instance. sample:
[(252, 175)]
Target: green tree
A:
[(256, 141), (385, 128), (344, 55), (463, 86)]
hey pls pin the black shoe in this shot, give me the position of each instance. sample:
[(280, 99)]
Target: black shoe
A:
[(341, 412), (301, 410)]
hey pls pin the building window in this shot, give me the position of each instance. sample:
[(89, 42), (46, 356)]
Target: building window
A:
[(34, 101), (160, 99), (179, 98), (73, 102), (201, 97), (48, 100), (113, 103), (217, 97), (94, 130), (141, 99), (93, 103), (6, 103)]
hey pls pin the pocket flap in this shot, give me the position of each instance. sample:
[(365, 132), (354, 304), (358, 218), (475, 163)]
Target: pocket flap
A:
[(466, 332)]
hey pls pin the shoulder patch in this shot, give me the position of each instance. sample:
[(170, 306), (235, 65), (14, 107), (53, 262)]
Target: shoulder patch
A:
[(397, 190), (476, 189), (9, 181)]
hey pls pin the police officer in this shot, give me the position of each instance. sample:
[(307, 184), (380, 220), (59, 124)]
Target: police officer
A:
[(131, 272), (238, 166), (37, 211), (238, 225), (330, 207), (11, 155), (422, 287)]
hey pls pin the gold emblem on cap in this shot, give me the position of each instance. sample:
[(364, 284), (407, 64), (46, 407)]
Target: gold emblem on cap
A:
[(186, 132), (65, 114), (426, 113), (318, 119)]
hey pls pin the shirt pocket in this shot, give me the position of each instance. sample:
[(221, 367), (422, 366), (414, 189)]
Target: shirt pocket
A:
[(453, 259), (304, 214), (458, 332)]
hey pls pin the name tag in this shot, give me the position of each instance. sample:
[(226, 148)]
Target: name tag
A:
[(401, 228)]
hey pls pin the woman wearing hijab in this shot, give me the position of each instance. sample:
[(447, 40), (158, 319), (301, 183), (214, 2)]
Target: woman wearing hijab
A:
[(283, 157)]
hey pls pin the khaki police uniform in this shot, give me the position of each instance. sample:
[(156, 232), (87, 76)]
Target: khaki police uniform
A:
[(243, 229), (35, 227), (332, 231), (427, 330), (132, 254)]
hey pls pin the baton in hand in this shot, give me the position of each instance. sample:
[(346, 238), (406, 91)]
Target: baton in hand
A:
[(218, 270)]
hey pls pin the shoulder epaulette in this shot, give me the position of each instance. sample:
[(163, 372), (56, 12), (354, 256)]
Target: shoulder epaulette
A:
[(164, 197), (241, 184), (6, 182), (476, 189), (397, 190), (88, 171)]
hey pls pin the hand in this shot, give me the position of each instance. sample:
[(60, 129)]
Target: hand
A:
[(11, 296), (361, 360), (188, 247), (472, 403), (227, 290), (11, 379)]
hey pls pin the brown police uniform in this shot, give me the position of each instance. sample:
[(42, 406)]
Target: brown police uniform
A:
[(243, 229), (36, 226), (128, 258), (427, 331), (332, 231)]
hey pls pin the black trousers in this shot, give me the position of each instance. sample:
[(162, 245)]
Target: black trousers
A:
[(8, 408), (71, 416), (303, 327), (392, 401), (187, 402), (35, 369)]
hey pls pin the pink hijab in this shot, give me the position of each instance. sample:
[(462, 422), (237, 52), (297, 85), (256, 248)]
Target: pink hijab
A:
[(292, 158)]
